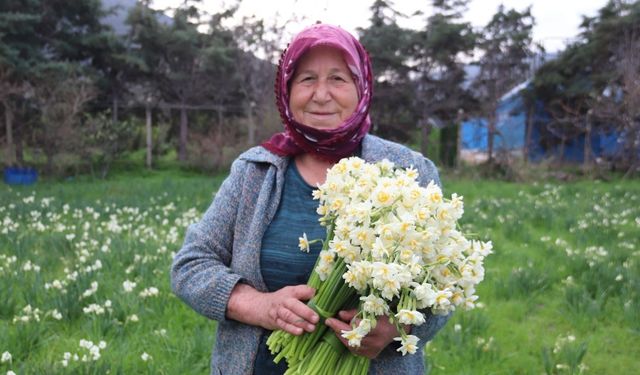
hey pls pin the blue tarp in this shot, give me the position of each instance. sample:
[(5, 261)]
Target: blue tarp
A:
[(510, 128), (511, 134)]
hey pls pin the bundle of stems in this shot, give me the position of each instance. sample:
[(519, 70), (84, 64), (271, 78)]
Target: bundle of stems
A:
[(330, 357), (322, 359), (351, 364), (332, 295)]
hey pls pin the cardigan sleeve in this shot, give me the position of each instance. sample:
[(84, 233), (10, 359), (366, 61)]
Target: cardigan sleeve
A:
[(427, 171), (200, 274)]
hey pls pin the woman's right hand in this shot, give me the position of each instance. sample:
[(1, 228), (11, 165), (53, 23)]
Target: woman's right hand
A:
[(283, 309)]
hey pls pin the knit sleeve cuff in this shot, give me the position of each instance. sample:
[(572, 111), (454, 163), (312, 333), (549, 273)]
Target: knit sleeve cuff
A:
[(221, 294)]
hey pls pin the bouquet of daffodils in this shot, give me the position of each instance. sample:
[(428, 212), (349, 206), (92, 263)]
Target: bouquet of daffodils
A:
[(392, 248)]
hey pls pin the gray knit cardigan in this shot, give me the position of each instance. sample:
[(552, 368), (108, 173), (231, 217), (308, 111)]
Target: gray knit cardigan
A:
[(223, 248)]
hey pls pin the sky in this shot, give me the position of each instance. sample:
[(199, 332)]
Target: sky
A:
[(557, 21)]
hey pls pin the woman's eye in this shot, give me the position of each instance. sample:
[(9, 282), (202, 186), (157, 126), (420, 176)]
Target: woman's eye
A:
[(339, 78)]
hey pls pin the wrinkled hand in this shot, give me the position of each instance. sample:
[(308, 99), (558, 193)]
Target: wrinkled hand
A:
[(372, 344), (284, 309)]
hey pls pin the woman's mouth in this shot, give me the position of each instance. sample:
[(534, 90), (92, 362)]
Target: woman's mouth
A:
[(320, 114)]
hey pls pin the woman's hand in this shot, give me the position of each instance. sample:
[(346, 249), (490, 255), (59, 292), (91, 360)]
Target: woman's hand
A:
[(282, 309), (372, 344)]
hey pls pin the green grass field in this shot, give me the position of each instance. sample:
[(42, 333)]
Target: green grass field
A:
[(89, 260)]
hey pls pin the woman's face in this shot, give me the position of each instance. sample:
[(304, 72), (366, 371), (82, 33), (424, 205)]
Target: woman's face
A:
[(323, 94)]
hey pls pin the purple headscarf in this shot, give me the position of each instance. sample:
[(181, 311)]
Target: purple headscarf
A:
[(331, 144)]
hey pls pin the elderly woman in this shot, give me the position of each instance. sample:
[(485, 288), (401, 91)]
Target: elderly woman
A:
[(240, 265)]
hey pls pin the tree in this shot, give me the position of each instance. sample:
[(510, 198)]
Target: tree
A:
[(145, 55), (189, 68), (61, 96), (593, 85), (105, 140), (389, 47), (506, 47), (8, 90), (38, 37), (19, 52), (619, 102), (439, 53), (183, 66), (117, 69), (222, 72), (255, 75), (628, 109)]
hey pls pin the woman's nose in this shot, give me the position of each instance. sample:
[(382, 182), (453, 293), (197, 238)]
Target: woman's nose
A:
[(321, 93)]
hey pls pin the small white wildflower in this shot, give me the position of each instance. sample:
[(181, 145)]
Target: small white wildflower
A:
[(56, 314), (149, 292), (91, 291), (128, 286), (86, 344), (161, 332), (93, 308), (145, 357), (6, 357)]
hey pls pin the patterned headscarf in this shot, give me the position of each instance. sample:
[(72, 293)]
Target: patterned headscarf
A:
[(328, 144)]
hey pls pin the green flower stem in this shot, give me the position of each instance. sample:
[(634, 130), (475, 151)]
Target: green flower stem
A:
[(351, 364), (310, 340), (314, 280), (322, 359), (346, 365), (325, 360), (332, 340), (332, 283), (363, 364)]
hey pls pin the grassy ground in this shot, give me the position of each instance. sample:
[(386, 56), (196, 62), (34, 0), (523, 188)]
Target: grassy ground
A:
[(565, 276)]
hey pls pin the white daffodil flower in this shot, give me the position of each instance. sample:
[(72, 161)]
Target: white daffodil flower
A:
[(408, 344)]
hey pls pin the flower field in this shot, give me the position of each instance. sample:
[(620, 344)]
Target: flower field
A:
[(84, 279)]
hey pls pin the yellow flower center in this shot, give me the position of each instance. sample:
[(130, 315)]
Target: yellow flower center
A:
[(383, 197)]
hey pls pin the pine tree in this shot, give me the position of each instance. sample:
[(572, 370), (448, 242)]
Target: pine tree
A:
[(440, 51), (506, 47)]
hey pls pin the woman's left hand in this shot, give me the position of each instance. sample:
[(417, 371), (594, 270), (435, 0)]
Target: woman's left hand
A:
[(373, 343)]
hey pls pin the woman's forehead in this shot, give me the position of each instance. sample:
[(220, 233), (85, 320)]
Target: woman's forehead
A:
[(325, 54), (337, 58)]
